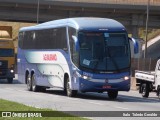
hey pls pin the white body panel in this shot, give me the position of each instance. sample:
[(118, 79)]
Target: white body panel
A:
[(157, 74), (147, 76), (150, 76)]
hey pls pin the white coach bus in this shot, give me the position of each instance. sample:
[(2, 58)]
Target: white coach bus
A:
[(75, 54)]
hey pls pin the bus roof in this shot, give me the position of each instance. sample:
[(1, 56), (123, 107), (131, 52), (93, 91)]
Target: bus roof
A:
[(80, 23)]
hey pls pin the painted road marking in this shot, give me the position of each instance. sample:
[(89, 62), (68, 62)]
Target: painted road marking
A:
[(96, 103), (121, 108)]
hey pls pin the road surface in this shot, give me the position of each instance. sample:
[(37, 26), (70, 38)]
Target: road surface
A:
[(56, 99)]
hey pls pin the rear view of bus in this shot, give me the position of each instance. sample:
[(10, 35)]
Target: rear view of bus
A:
[(75, 54), (7, 59)]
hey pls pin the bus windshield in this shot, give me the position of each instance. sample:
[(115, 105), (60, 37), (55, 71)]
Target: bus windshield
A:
[(6, 52), (102, 51)]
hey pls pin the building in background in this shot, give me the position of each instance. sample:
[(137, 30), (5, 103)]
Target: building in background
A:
[(7, 54)]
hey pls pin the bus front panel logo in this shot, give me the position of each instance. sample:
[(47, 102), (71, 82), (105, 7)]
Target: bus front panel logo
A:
[(106, 80)]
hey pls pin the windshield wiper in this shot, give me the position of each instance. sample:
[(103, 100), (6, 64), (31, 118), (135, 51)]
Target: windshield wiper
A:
[(95, 66), (113, 61)]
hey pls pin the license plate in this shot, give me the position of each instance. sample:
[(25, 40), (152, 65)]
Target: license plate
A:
[(106, 86)]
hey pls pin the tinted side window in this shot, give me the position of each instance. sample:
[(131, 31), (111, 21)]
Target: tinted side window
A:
[(61, 39), (20, 40), (26, 40), (74, 54), (45, 39)]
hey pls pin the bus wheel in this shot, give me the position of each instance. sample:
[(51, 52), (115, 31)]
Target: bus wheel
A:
[(70, 93), (33, 84), (145, 90), (112, 94), (158, 92), (29, 86), (10, 80)]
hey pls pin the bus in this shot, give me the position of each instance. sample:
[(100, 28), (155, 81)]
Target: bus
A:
[(7, 59), (75, 54)]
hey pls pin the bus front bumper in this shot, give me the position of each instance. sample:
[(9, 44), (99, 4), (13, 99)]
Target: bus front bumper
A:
[(6, 73), (101, 85)]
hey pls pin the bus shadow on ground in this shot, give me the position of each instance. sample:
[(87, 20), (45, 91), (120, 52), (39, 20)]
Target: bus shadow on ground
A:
[(104, 97), (4, 81), (56, 92), (120, 98), (125, 98)]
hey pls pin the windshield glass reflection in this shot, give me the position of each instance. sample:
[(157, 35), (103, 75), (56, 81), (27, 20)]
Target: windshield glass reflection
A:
[(101, 51)]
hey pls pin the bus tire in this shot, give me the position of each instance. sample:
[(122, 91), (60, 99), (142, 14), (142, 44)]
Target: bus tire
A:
[(145, 90), (69, 92), (158, 92), (28, 82), (140, 90), (10, 80), (35, 88), (112, 94)]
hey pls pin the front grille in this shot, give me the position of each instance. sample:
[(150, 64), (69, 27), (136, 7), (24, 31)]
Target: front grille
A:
[(3, 73), (3, 64)]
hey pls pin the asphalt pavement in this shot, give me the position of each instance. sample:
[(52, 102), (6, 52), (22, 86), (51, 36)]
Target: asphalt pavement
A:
[(55, 99)]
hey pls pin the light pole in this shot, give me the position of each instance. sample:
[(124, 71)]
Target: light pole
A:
[(146, 36), (38, 12)]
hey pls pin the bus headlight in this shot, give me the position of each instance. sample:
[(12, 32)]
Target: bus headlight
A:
[(126, 78), (77, 74), (86, 77)]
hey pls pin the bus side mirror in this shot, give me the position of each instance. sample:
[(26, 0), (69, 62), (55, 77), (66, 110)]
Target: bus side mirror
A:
[(135, 45), (76, 43)]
